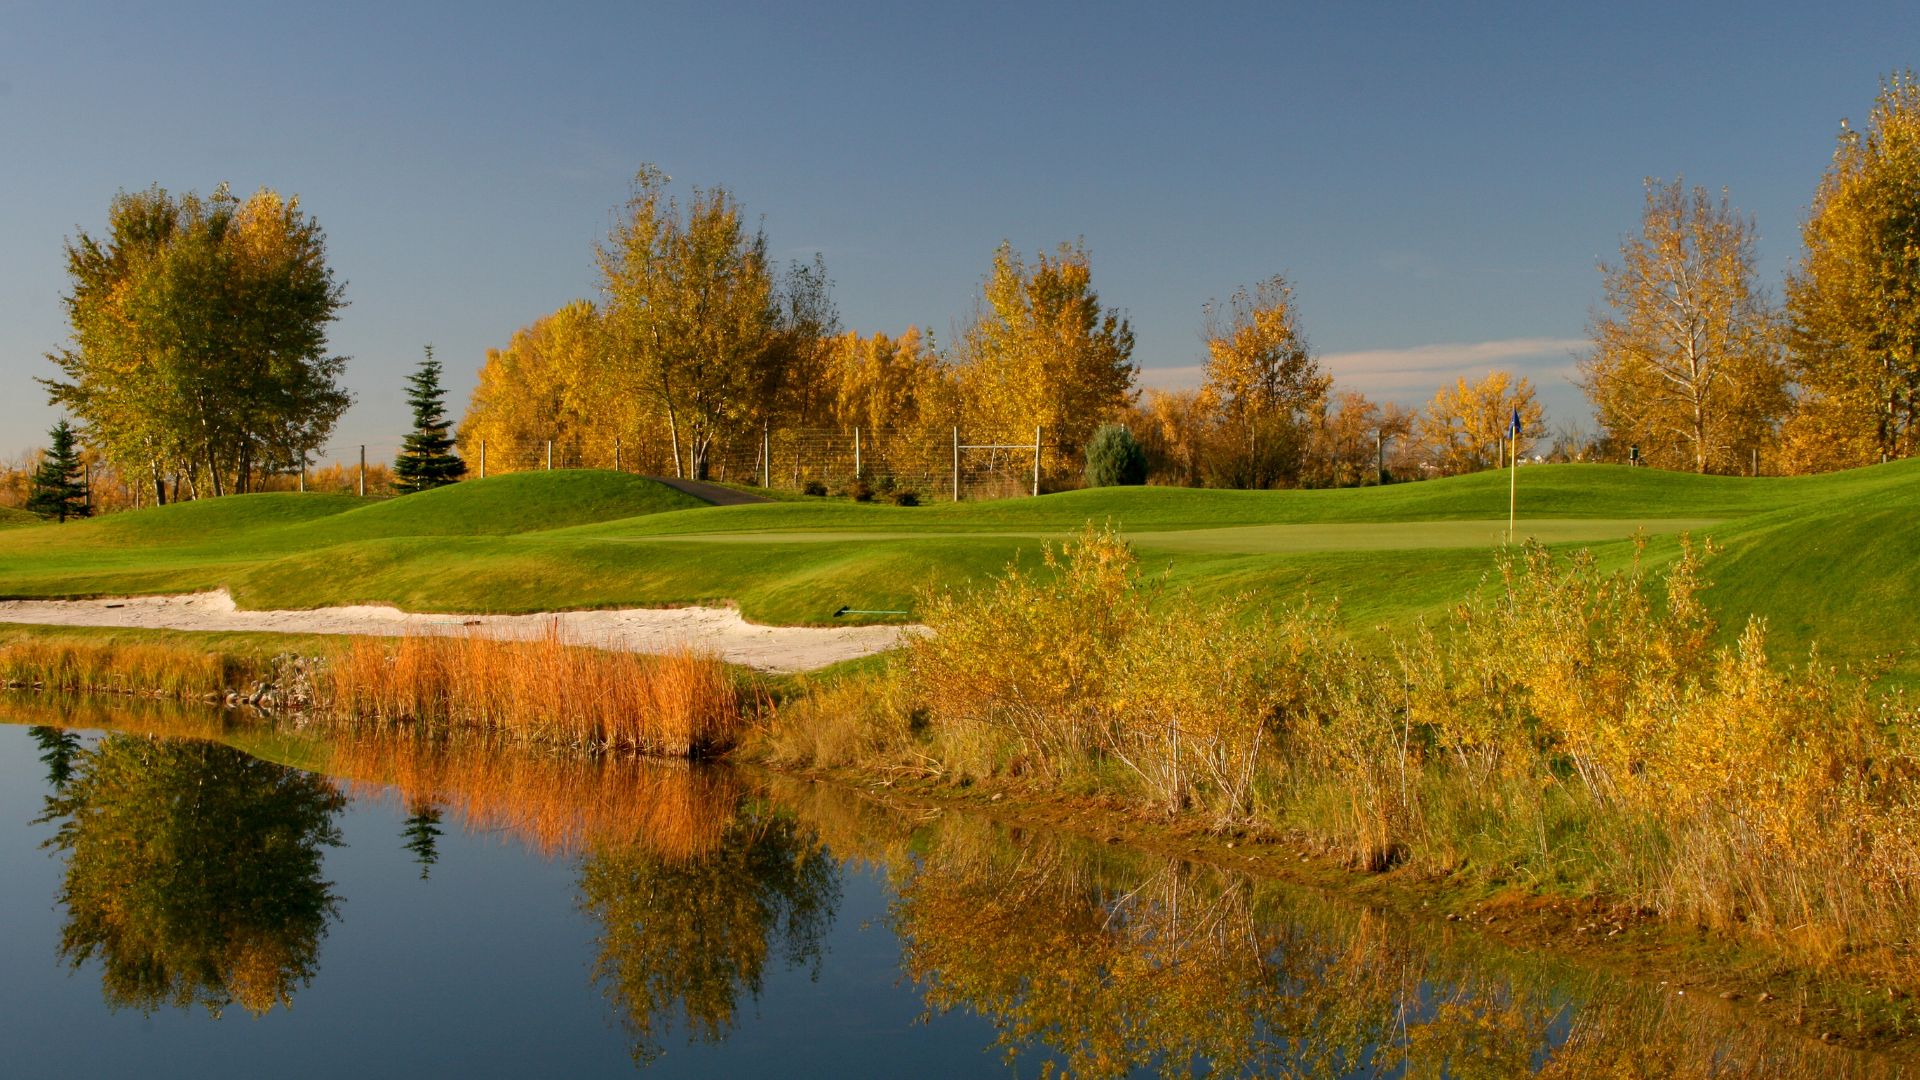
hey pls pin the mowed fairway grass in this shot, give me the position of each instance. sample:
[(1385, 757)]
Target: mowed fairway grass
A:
[(1828, 559)]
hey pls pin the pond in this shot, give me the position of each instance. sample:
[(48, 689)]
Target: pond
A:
[(187, 894)]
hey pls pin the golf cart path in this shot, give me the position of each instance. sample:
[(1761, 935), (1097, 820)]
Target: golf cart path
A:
[(651, 630), (713, 493)]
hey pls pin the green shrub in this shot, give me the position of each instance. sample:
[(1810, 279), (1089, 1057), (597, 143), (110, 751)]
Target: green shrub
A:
[(906, 497), (814, 487), (1115, 459)]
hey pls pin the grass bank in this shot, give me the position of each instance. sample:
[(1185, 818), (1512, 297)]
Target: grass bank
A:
[(1571, 732)]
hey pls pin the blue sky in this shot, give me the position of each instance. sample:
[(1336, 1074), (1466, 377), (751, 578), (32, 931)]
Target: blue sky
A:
[(1437, 182)]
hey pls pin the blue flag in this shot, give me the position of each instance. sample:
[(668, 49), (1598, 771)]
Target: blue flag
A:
[(1514, 429)]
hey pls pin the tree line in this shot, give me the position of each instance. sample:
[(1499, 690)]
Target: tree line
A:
[(697, 342), (197, 362), (1690, 366)]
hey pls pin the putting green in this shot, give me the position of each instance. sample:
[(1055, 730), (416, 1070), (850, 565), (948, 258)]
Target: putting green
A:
[(1407, 536)]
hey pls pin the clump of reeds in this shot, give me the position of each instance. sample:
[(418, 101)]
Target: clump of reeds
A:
[(679, 704), (118, 667)]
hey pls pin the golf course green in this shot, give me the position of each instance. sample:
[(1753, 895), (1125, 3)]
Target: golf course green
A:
[(1826, 559)]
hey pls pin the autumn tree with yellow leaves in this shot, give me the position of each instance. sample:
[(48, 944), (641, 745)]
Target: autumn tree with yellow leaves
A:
[(1465, 426), (885, 383), (1350, 434), (1176, 429), (699, 324), (198, 357), (1042, 352), (1261, 375), (1854, 300), (1685, 361), (554, 381)]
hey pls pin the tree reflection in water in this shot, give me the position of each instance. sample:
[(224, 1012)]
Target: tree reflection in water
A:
[(193, 876), (421, 834), (193, 873), (58, 747), (696, 885), (692, 935)]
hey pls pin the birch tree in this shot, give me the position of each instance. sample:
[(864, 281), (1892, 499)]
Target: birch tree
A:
[(693, 314), (1685, 360)]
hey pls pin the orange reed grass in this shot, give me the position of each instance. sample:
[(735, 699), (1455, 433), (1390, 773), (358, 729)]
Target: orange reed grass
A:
[(554, 804), (83, 666), (681, 704)]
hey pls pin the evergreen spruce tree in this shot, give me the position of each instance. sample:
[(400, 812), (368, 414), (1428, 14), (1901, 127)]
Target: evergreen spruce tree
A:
[(58, 748), (58, 488), (1114, 459), (422, 834), (426, 457)]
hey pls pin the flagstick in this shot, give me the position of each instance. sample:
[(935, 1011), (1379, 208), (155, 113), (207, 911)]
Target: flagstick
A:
[(1513, 486)]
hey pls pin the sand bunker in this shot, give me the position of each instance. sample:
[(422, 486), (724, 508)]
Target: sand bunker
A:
[(718, 630)]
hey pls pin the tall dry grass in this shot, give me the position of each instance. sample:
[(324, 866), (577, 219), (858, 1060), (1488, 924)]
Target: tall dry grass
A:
[(681, 704), (109, 667)]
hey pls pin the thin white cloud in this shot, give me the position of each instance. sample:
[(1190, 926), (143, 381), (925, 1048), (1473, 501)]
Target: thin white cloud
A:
[(1418, 368)]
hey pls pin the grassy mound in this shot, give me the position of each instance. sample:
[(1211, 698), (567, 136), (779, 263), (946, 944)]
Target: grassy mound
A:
[(10, 517), (504, 505), (208, 543)]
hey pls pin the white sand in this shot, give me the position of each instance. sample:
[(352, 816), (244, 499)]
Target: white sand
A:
[(718, 630)]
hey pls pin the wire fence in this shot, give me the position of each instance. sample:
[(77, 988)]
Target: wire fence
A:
[(922, 464)]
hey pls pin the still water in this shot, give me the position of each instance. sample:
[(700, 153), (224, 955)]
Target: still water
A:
[(185, 895)]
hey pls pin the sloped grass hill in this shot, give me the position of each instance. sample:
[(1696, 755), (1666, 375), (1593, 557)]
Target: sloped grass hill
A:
[(1828, 559), (11, 516)]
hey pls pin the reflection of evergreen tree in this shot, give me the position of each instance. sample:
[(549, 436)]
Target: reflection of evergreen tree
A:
[(422, 834), (193, 873), (57, 749), (692, 935)]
